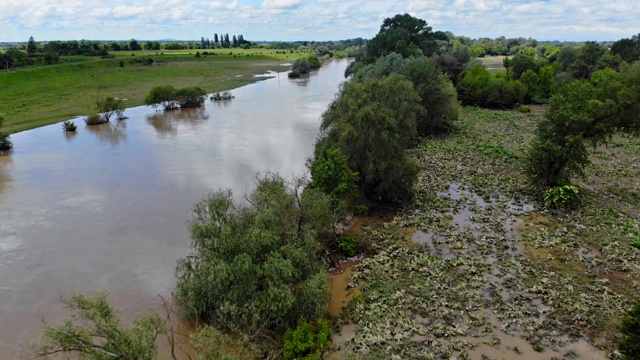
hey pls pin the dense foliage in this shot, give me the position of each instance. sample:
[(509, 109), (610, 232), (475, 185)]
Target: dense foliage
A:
[(307, 341), (583, 111), (254, 267), (372, 123), (171, 98), (109, 107), (401, 34)]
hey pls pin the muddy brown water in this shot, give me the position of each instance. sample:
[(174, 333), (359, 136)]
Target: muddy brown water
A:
[(107, 208)]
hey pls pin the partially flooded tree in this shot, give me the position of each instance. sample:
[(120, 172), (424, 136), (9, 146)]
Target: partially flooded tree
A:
[(110, 106), (165, 95), (254, 267)]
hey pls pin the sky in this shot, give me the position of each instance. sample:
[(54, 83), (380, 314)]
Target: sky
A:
[(289, 20)]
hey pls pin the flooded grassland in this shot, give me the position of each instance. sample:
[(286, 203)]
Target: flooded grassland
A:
[(478, 269)]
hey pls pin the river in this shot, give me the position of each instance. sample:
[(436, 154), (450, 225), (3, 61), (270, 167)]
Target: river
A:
[(107, 208)]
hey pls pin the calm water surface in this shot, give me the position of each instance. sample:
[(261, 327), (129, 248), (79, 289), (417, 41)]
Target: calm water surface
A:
[(107, 208)]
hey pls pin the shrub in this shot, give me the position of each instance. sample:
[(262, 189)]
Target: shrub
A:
[(110, 106), (314, 62), (563, 196), (294, 74), (524, 109), (629, 345), (307, 341), (5, 141), (165, 95), (349, 244), (190, 96), (69, 126), (301, 65), (95, 119)]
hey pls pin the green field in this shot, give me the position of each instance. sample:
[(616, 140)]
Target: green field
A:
[(42, 95)]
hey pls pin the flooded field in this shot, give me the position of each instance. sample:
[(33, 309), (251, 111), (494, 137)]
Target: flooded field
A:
[(107, 208)]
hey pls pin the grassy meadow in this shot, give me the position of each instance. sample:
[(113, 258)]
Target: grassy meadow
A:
[(42, 95)]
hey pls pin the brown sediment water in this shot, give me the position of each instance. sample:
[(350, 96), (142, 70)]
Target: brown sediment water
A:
[(107, 208)]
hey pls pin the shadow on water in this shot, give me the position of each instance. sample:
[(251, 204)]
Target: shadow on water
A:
[(167, 122), (70, 135), (5, 162), (110, 133)]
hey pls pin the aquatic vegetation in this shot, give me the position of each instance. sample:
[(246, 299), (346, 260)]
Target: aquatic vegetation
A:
[(69, 126), (488, 268)]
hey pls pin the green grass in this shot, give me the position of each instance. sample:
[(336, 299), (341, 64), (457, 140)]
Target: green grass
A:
[(40, 95)]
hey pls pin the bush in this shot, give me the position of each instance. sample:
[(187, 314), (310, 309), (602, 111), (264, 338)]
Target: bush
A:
[(95, 119), (165, 95), (254, 267), (314, 62), (110, 106), (349, 244), (301, 65), (294, 74), (524, 109), (307, 341), (629, 345), (5, 141), (69, 126), (190, 96), (564, 196)]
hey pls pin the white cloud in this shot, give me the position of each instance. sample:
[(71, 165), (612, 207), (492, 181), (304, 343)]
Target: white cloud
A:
[(313, 19), (281, 4)]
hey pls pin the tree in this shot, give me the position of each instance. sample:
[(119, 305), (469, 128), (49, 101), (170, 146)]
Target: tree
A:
[(583, 111), (110, 106), (5, 141), (254, 267), (190, 96), (165, 95), (215, 38), (437, 94), (31, 47), (372, 129), (521, 63), (7, 61), (50, 58), (628, 49), (95, 332), (134, 45), (402, 34)]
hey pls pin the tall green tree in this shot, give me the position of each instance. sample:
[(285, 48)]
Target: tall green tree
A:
[(109, 107), (372, 129), (402, 34), (31, 47)]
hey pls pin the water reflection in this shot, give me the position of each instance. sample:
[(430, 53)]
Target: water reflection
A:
[(70, 135), (166, 122), (110, 133), (5, 179)]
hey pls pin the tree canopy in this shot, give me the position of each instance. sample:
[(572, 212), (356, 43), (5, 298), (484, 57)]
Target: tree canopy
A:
[(402, 34)]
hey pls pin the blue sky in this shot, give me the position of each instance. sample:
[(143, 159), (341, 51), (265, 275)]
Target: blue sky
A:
[(312, 19)]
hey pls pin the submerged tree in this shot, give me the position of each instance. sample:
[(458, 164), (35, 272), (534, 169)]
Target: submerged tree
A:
[(110, 106), (165, 95)]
